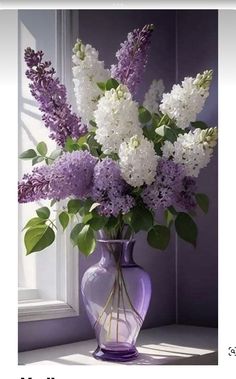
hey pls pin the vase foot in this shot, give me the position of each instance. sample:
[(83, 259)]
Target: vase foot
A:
[(115, 355)]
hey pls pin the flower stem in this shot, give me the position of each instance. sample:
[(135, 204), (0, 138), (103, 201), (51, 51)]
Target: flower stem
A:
[(109, 307), (52, 223), (118, 307)]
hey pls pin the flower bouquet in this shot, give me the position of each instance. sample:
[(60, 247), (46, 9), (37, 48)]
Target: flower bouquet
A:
[(120, 167)]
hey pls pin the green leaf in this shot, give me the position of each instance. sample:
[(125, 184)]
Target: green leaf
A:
[(97, 222), (28, 154), (42, 148), (37, 159), (112, 223), (38, 238), (159, 237), (127, 218), (186, 228), (199, 124), (82, 140), (87, 217), (149, 132), (178, 131), (43, 213), (111, 83), (169, 217), (172, 210), (203, 201), (94, 205), (71, 145), (53, 201), (141, 219), (114, 156), (94, 146), (55, 154), (87, 205), (166, 132), (144, 115), (75, 232), (64, 219), (155, 120), (101, 85), (192, 213), (34, 222), (84, 146), (157, 148), (74, 206), (86, 240), (93, 123), (161, 130)]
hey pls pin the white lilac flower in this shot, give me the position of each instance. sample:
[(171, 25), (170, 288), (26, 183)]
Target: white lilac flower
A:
[(87, 72), (153, 96), (193, 150), (208, 137), (185, 101), (117, 120), (138, 161)]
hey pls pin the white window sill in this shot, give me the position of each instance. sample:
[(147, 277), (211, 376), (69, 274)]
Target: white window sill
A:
[(166, 345), (44, 310)]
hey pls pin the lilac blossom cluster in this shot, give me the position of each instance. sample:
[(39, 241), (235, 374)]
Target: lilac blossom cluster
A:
[(161, 193), (132, 58), (171, 187), (185, 198), (161, 181), (81, 175), (69, 175), (110, 190), (35, 186), (72, 175), (51, 95)]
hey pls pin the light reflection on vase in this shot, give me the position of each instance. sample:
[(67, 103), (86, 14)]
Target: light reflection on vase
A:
[(116, 293)]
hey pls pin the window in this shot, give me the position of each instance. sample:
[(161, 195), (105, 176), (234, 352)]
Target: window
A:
[(48, 282)]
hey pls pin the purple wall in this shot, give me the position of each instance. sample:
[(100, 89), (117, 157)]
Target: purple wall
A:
[(197, 269)]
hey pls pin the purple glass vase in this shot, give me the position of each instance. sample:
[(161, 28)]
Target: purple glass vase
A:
[(116, 293)]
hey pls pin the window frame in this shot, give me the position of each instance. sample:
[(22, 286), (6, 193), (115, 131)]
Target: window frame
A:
[(66, 303)]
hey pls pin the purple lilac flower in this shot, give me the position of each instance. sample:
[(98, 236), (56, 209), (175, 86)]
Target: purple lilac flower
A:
[(51, 95), (161, 194), (185, 198), (110, 190), (132, 57), (69, 175), (72, 174), (35, 186)]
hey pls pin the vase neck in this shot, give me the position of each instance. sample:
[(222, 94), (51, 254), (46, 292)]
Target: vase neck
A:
[(117, 252)]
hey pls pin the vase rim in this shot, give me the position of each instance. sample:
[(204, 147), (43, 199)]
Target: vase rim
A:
[(116, 240)]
